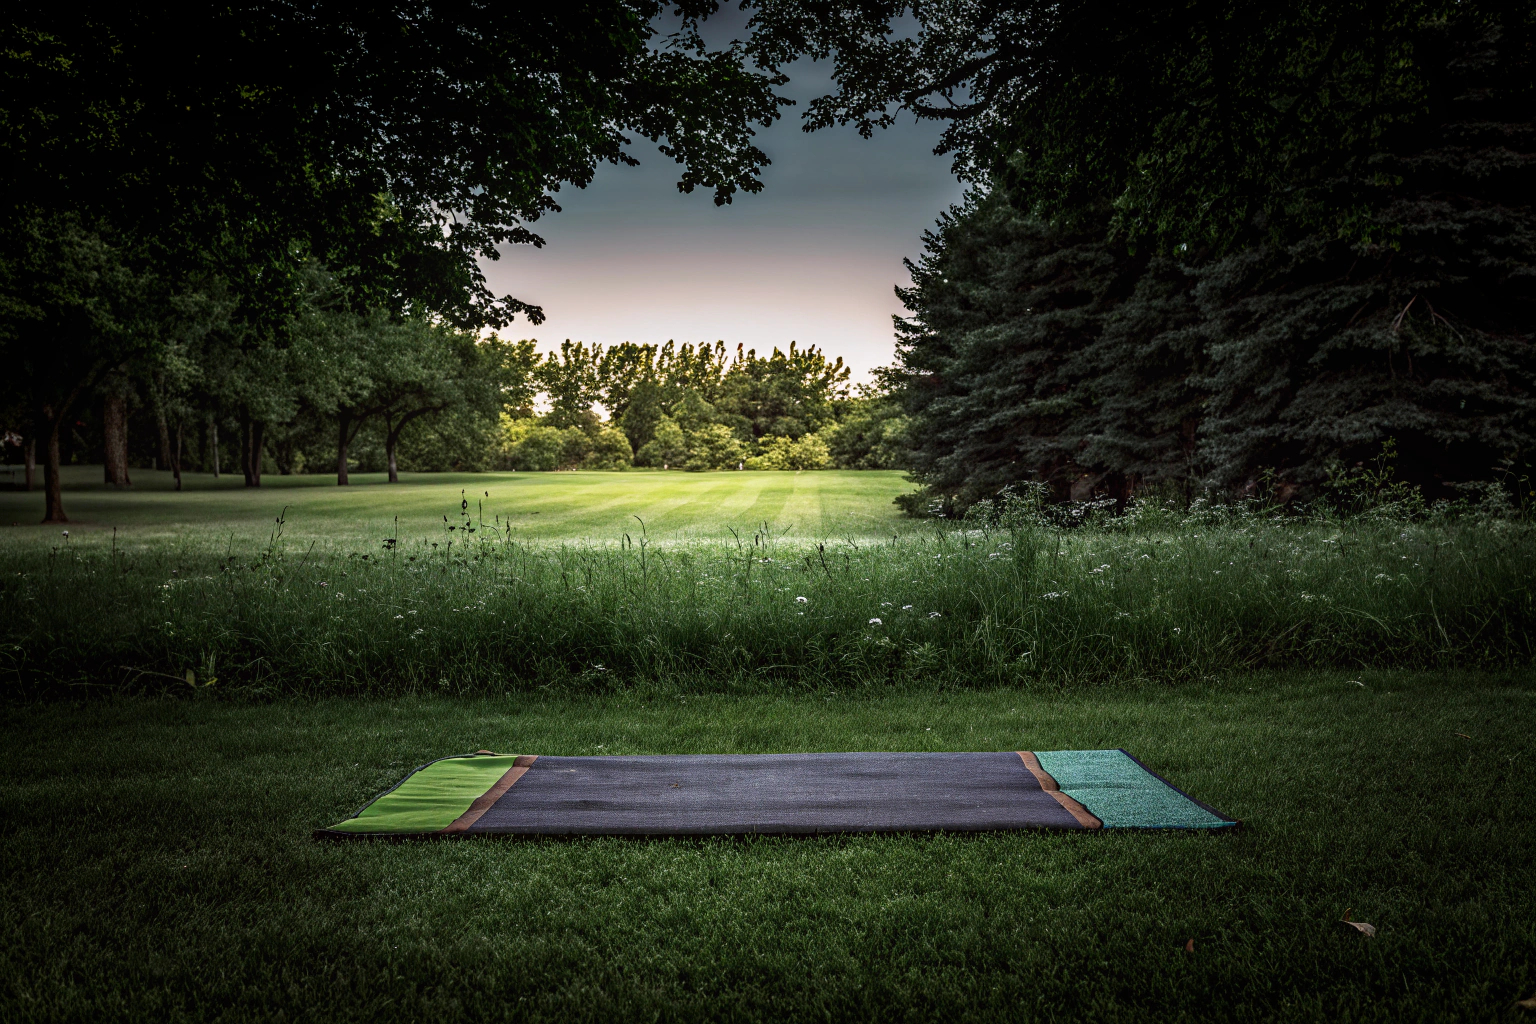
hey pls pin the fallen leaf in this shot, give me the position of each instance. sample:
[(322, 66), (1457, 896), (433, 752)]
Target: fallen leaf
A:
[(1462, 735), (1189, 947), (1527, 1004), (1367, 930)]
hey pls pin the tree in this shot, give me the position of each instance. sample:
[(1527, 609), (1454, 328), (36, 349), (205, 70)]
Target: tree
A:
[(870, 432), (786, 394), (403, 141), (1207, 240), (72, 312), (571, 380)]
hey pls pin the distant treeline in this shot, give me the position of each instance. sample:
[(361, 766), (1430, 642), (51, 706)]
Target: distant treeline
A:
[(348, 392)]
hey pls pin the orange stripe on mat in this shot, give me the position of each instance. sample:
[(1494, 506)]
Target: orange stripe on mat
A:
[(1048, 783), (486, 800)]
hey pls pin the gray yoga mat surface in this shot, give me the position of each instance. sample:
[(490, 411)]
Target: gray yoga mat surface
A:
[(774, 793)]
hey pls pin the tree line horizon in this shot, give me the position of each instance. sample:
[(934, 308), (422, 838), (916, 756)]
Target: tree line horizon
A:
[(349, 387), (1235, 247)]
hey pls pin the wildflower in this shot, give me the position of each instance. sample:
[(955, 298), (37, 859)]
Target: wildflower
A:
[(66, 534), (399, 616), (993, 555), (1053, 595), (802, 600), (935, 615), (906, 607), (324, 584), (1177, 631), (876, 622)]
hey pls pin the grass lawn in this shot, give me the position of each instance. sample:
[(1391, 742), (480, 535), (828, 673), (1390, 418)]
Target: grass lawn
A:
[(540, 506), (159, 865)]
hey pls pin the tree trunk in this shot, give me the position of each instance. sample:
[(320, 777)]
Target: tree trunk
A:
[(165, 434), (29, 457), (213, 443), (391, 436), (176, 462), (250, 444), (114, 436), (343, 441), (48, 421), (245, 446)]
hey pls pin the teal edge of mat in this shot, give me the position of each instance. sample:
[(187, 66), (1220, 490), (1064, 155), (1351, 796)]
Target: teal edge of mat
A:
[(1124, 793)]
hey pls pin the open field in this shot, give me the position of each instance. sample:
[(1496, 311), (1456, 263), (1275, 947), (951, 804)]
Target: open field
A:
[(544, 506), (159, 865)]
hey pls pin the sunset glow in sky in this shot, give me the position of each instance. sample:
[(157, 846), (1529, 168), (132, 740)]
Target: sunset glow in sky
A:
[(812, 258)]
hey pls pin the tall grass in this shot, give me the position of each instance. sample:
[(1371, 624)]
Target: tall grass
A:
[(951, 605)]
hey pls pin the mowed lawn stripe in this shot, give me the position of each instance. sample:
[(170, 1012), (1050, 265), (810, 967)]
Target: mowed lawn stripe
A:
[(595, 507)]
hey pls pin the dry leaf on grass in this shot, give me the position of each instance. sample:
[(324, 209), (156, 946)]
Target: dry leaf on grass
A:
[(1527, 1004), (1189, 947), (1367, 930), (1462, 735)]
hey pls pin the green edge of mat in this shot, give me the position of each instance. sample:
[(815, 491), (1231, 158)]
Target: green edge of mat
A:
[(1122, 793), (431, 797)]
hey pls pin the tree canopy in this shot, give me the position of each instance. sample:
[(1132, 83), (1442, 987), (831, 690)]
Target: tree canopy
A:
[(222, 156), (1233, 244)]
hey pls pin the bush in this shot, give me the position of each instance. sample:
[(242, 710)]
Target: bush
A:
[(609, 450), (667, 446), (713, 446), (808, 452)]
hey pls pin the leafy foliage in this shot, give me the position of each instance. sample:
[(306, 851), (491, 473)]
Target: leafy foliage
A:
[(1047, 344)]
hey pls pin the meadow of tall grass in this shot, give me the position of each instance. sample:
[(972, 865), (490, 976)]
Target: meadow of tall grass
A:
[(1156, 596)]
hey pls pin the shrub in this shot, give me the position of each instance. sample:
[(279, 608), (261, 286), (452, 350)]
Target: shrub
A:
[(808, 452), (667, 446), (714, 446)]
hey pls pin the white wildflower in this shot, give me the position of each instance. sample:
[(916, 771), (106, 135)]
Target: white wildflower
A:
[(876, 622), (935, 615)]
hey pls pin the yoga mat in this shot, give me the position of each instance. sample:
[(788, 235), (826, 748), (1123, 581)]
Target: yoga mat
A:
[(777, 794)]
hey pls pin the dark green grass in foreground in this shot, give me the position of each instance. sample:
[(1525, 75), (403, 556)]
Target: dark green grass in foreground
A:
[(159, 866)]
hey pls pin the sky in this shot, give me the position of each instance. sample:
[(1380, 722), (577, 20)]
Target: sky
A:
[(812, 258)]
